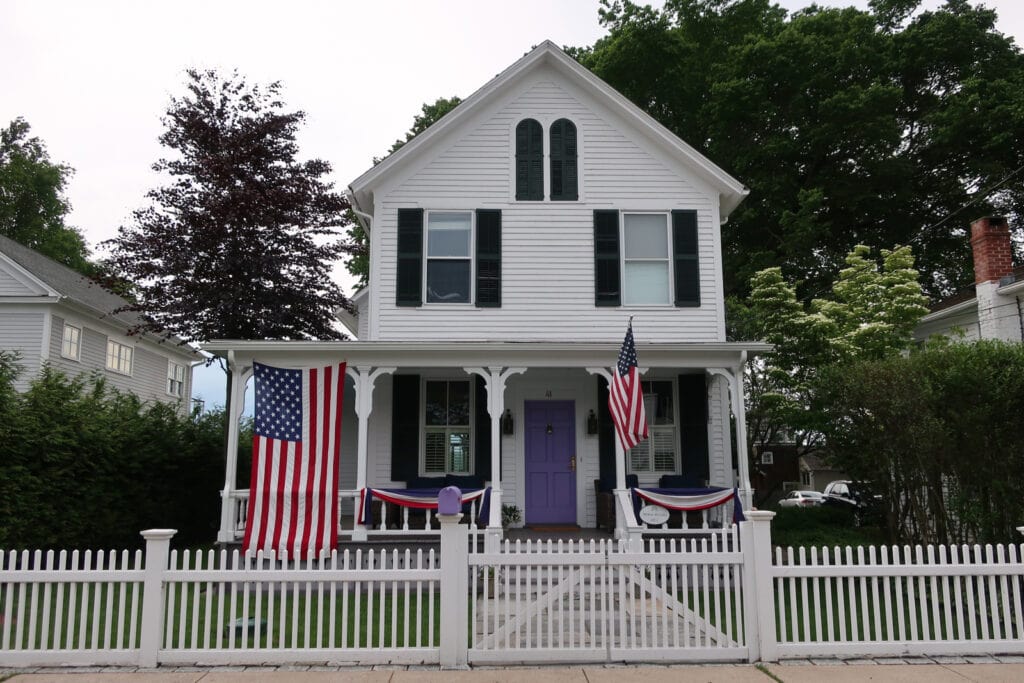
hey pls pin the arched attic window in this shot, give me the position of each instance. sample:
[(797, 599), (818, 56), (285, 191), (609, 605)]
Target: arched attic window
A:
[(564, 178), (529, 160)]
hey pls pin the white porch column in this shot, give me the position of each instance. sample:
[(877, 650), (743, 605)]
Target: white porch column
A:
[(620, 466), (365, 378), (237, 375), (734, 377), (495, 378)]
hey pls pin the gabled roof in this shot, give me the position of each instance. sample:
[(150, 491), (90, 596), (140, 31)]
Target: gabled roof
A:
[(731, 190), (75, 288)]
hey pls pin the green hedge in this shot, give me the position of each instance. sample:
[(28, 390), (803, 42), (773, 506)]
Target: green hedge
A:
[(85, 466)]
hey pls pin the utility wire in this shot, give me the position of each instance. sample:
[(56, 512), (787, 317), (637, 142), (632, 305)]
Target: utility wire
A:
[(978, 197)]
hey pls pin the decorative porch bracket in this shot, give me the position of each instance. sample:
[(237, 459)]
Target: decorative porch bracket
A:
[(734, 378), (495, 378), (365, 379), (238, 376)]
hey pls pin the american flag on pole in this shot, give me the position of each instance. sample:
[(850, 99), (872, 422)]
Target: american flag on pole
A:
[(293, 499), (626, 397)]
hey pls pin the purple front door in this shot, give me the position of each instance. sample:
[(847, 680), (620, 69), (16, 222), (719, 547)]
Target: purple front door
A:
[(550, 462)]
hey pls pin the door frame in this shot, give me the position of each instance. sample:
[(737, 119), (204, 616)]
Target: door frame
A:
[(571, 402)]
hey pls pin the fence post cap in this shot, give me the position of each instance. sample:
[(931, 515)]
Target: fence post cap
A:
[(759, 515), (449, 501), (1020, 529), (158, 534)]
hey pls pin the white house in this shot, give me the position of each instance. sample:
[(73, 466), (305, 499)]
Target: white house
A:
[(52, 314), (510, 243), (993, 307)]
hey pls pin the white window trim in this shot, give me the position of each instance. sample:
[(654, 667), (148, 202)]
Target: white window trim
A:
[(170, 365), (131, 358), (472, 259), (78, 345), (422, 466), (671, 261), (676, 455)]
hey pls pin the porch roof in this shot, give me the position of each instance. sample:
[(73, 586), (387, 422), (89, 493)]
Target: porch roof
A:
[(486, 353)]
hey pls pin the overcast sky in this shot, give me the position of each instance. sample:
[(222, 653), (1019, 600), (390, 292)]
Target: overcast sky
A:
[(93, 78)]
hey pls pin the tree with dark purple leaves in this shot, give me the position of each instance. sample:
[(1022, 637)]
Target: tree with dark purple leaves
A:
[(240, 240)]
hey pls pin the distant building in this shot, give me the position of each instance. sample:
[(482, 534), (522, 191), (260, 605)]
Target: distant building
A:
[(52, 314), (993, 307)]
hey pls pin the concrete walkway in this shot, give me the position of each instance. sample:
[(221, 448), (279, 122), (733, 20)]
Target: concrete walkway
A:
[(912, 670)]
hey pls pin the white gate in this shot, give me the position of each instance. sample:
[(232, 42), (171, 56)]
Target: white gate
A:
[(671, 600)]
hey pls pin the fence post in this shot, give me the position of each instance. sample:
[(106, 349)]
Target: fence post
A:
[(454, 592), (158, 546), (758, 591)]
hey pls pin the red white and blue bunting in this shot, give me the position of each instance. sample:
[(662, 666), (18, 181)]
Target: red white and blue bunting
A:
[(688, 500), (421, 499)]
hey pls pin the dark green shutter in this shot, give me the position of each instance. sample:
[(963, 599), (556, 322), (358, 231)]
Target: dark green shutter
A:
[(482, 435), (529, 160), (409, 287), (687, 267), (564, 175), (488, 258), (693, 427), (607, 289), (605, 437), (405, 427)]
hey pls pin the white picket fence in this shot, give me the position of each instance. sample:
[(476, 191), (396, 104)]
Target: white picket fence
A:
[(720, 597)]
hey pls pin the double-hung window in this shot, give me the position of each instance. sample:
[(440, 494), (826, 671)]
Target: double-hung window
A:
[(658, 453), (646, 259), (71, 342), (449, 256), (119, 357), (175, 379), (447, 427)]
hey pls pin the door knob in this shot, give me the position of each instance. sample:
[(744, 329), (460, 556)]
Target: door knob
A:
[(572, 463)]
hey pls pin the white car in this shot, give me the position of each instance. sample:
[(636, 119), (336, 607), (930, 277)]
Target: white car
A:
[(802, 499)]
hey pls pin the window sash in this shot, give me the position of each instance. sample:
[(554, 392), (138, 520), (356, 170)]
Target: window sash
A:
[(119, 357), (71, 342), (448, 277), (646, 259), (447, 427), (657, 454), (175, 379)]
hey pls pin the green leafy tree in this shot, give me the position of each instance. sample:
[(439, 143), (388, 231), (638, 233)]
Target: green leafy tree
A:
[(358, 263), (874, 306), (33, 207), (849, 126), (239, 242)]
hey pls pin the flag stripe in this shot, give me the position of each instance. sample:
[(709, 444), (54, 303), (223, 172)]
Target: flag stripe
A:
[(626, 398)]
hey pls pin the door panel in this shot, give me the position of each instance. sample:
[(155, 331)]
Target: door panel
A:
[(550, 449)]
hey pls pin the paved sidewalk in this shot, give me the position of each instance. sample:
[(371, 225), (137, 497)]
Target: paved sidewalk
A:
[(911, 670)]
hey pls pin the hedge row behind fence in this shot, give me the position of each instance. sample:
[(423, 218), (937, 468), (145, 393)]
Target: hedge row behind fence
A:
[(940, 434), (84, 466)]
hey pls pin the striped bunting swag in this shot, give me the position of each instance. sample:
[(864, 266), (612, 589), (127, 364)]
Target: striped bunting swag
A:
[(293, 504), (626, 397)]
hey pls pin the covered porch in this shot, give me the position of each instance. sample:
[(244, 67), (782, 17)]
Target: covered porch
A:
[(534, 429)]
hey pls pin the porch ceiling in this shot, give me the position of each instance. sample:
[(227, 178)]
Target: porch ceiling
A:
[(474, 354)]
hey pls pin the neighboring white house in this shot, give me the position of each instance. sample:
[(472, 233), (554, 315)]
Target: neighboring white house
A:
[(52, 314), (510, 243), (993, 307)]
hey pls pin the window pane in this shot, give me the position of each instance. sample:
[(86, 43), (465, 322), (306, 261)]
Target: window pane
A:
[(646, 283), (448, 281), (435, 451), (640, 457), (458, 449), (663, 442), (646, 235), (458, 403), (658, 403), (436, 403), (448, 234)]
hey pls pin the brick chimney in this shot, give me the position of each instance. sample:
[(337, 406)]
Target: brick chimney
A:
[(993, 255), (998, 315)]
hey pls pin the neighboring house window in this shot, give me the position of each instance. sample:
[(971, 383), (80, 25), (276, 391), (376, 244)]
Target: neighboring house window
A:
[(658, 452), (447, 427), (449, 256), (175, 379), (119, 357), (71, 345), (529, 161), (646, 264), (564, 176)]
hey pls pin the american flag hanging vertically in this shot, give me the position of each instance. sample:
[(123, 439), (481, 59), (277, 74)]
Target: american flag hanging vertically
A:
[(293, 500), (626, 397)]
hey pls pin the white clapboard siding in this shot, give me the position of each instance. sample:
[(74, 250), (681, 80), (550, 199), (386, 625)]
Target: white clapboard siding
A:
[(547, 247), (889, 600), (22, 331)]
